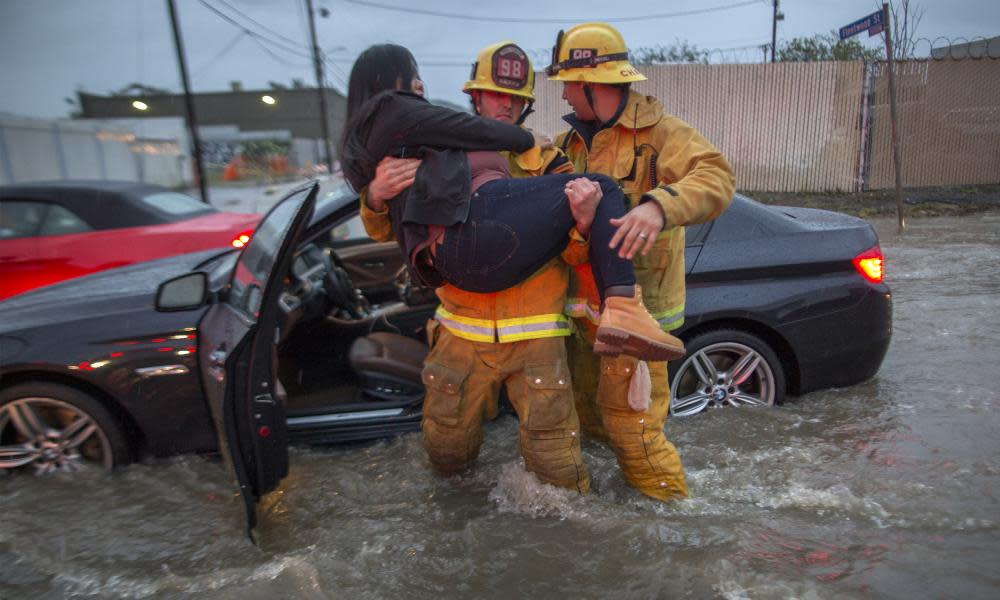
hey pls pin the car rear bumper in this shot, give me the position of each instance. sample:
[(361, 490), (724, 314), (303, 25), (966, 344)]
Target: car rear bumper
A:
[(847, 347)]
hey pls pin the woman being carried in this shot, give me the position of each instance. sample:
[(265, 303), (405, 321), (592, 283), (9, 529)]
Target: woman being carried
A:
[(477, 228)]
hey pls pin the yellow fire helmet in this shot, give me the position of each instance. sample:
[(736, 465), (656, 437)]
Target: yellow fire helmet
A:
[(502, 67), (594, 53)]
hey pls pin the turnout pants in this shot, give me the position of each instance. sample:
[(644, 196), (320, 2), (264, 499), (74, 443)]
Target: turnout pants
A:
[(463, 380), (648, 461)]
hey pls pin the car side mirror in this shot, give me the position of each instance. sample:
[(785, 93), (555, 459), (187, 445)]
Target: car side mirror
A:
[(186, 292)]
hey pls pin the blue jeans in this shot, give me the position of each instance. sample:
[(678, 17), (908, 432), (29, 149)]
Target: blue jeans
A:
[(515, 226)]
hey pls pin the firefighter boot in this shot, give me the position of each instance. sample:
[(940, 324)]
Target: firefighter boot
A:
[(627, 327)]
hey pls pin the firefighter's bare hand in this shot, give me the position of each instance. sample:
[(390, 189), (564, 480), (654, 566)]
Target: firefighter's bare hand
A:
[(583, 196), (637, 230), (541, 140), (392, 176)]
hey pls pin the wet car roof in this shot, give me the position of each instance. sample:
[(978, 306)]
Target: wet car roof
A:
[(101, 204)]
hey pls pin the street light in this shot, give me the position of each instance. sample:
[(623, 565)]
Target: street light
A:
[(139, 105), (268, 99)]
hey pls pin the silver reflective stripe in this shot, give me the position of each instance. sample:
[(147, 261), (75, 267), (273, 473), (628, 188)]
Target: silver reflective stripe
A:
[(161, 370), (671, 322), (339, 417), (533, 327), (474, 332)]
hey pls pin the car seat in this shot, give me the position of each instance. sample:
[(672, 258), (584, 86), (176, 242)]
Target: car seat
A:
[(388, 366)]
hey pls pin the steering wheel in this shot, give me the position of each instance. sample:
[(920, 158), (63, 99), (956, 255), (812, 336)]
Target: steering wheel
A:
[(303, 293), (340, 290)]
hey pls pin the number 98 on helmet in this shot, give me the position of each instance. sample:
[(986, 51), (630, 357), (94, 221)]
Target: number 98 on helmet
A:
[(502, 67)]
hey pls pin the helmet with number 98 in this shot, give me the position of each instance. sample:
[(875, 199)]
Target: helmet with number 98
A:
[(592, 53), (502, 67)]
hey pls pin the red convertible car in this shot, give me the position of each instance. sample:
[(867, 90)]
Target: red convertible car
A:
[(53, 231)]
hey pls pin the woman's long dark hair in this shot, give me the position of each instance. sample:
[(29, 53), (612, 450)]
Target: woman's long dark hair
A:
[(376, 70)]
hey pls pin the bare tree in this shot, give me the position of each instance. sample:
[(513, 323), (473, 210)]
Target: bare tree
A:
[(904, 18)]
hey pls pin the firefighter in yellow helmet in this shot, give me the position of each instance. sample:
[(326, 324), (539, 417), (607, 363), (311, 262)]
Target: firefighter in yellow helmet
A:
[(514, 338), (672, 177)]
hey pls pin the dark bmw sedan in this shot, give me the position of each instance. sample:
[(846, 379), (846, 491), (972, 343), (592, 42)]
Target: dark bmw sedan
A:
[(312, 334)]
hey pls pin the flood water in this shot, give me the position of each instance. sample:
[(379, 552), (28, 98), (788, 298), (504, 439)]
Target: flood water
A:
[(888, 489)]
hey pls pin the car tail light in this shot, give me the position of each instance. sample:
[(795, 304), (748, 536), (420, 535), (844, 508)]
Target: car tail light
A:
[(241, 238), (870, 264)]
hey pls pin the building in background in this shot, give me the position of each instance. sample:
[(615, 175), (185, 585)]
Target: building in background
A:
[(287, 117)]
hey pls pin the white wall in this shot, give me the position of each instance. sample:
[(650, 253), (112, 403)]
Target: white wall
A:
[(42, 149)]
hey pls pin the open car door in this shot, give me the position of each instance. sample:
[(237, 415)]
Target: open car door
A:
[(237, 354)]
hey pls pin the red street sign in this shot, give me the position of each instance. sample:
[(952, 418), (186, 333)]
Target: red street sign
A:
[(872, 24)]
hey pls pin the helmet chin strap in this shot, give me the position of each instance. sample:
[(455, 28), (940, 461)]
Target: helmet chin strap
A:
[(589, 94), (524, 114)]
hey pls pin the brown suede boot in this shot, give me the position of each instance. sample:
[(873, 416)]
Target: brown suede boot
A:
[(627, 327)]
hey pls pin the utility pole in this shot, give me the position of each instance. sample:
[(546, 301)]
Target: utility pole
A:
[(775, 17), (897, 161), (192, 119), (320, 88)]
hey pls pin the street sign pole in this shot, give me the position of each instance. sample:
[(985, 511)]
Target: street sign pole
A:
[(897, 162)]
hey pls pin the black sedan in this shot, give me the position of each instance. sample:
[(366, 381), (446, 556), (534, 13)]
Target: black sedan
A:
[(306, 336)]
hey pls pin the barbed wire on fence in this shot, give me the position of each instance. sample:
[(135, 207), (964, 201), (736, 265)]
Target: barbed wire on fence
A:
[(959, 48)]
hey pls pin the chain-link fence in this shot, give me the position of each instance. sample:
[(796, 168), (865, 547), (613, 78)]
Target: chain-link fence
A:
[(824, 126), (949, 123)]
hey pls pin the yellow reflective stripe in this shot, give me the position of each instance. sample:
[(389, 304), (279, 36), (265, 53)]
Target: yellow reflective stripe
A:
[(505, 330), (555, 317), (531, 335), (671, 318), (484, 323), (476, 330), (527, 328)]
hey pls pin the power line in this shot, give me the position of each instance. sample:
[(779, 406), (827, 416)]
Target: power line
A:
[(283, 61), (300, 11), (336, 72), (258, 23), (495, 19), (256, 36), (220, 54)]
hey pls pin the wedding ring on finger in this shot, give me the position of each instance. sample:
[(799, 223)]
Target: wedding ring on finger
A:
[(643, 235)]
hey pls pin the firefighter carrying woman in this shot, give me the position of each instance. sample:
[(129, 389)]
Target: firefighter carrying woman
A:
[(486, 337)]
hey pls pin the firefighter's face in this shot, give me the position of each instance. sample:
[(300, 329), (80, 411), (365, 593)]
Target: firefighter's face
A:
[(573, 94), (499, 106)]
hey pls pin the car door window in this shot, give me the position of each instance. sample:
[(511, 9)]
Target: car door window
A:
[(257, 260), (20, 218), (350, 232), (60, 221), (176, 204)]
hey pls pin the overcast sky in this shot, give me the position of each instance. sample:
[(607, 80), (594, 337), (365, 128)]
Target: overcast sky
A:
[(49, 48)]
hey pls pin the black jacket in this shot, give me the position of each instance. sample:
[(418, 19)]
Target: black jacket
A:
[(402, 124)]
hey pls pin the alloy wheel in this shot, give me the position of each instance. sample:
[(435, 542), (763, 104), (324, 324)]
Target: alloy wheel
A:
[(50, 435), (722, 375)]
